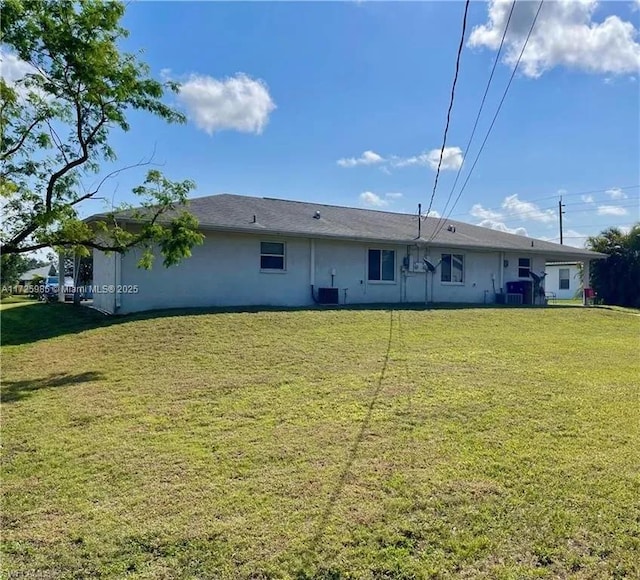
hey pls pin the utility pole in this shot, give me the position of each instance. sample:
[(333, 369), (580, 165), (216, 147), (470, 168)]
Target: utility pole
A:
[(560, 212)]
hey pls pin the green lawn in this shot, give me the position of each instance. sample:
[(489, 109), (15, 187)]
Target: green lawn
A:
[(452, 443)]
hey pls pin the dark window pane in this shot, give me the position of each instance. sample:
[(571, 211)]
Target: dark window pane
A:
[(445, 268), (272, 248), (564, 284), (388, 265), (374, 264), (272, 262), (524, 264), (457, 268)]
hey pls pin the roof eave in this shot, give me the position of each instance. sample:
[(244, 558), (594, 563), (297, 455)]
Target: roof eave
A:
[(578, 254)]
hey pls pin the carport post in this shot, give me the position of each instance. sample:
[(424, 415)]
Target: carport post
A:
[(586, 274), (60, 277)]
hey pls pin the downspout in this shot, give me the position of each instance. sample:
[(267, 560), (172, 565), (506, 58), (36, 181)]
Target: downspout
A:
[(501, 272), (312, 268), (426, 277), (61, 277), (586, 284), (117, 277)]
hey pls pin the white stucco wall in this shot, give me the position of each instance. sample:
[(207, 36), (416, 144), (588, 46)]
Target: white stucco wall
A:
[(350, 261), (104, 275), (225, 272), (479, 267), (511, 271), (552, 281)]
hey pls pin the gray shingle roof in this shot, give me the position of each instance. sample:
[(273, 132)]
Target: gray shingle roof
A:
[(298, 218), (41, 272)]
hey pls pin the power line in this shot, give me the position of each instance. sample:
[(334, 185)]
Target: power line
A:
[(453, 92), (512, 217), (626, 202), (585, 192), (484, 98), (609, 201), (504, 95)]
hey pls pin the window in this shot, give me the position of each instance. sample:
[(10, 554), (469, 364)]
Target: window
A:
[(564, 279), (272, 255), (382, 265), (524, 266), (452, 268)]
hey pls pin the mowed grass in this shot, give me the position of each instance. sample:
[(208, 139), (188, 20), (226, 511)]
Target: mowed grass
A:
[(462, 443)]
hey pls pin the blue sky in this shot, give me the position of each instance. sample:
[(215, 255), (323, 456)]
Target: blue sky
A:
[(284, 99)]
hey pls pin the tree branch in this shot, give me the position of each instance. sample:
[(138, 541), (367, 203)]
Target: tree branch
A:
[(56, 139), (116, 172), (84, 144), (20, 143)]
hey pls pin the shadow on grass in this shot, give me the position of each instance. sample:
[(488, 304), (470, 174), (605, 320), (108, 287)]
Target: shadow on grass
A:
[(316, 540), (36, 321), (39, 321), (13, 391)]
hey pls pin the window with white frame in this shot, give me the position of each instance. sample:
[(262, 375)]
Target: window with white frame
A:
[(382, 266), (564, 278), (272, 256), (524, 267), (452, 268)]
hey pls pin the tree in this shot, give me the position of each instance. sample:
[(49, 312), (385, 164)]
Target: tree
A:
[(616, 279), (12, 266), (55, 127)]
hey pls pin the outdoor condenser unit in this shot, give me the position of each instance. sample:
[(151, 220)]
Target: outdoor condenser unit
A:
[(328, 295)]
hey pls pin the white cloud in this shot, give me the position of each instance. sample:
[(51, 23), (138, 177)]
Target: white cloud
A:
[(451, 159), (432, 213), (501, 227), (616, 193), (367, 158), (570, 238), (422, 159), (374, 200), (611, 210), (486, 214), (587, 198), (13, 68), (13, 71), (371, 199), (527, 210), (239, 103), (565, 35), (574, 238)]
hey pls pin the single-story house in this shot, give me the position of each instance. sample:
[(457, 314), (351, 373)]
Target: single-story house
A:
[(27, 278), (563, 279), (275, 252), (30, 281)]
